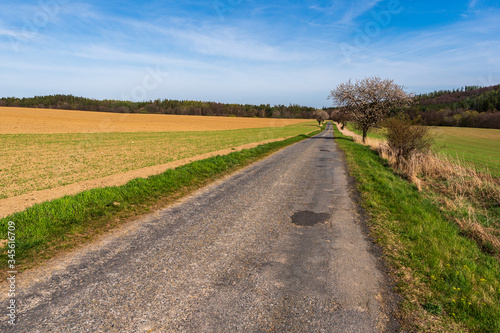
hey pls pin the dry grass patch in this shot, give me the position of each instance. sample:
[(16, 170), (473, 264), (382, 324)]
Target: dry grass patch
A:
[(370, 141)]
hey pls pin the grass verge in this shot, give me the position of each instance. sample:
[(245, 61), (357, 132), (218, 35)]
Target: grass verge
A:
[(480, 146), (375, 133), (45, 229), (447, 282)]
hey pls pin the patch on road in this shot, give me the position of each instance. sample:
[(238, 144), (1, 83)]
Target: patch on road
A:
[(307, 218)]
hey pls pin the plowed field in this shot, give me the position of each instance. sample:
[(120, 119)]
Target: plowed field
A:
[(35, 121), (44, 149)]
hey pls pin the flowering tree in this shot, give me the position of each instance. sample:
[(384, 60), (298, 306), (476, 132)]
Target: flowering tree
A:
[(341, 116), (321, 116), (367, 102)]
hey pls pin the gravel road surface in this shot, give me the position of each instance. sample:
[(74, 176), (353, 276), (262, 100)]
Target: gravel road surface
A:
[(276, 247)]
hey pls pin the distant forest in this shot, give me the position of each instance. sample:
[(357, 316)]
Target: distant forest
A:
[(166, 106), (470, 106)]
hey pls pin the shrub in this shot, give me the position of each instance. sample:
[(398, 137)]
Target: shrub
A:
[(405, 138)]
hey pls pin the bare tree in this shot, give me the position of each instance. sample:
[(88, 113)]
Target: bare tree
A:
[(368, 101), (321, 116)]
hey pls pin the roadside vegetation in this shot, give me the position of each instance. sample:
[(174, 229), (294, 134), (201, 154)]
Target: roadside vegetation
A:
[(478, 147), (438, 224), (45, 229), (436, 218)]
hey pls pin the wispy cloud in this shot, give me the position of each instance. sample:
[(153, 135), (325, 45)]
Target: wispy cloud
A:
[(212, 40), (472, 4), (261, 53), (445, 57), (11, 33), (357, 8)]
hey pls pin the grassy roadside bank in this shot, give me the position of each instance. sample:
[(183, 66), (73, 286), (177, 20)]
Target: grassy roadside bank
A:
[(45, 229), (477, 146), (447, 282)]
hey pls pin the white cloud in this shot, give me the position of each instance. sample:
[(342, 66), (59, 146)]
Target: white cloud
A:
[(11, 33), (472, 4), (86, 52), (357, 9), (441, 57), (217, 40)]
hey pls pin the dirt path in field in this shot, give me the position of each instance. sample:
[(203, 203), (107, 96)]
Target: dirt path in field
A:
[(276, 247), (21, 202)]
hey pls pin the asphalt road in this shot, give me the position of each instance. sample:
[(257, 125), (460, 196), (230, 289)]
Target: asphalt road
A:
[(276, 247)]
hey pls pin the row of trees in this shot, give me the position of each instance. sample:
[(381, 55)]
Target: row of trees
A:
[(482, 99), (437, 93), (166, 106), (458, 117)]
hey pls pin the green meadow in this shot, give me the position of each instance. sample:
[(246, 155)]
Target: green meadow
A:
[(480, 146)]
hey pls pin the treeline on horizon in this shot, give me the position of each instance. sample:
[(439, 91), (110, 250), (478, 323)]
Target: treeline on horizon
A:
[(469, 106), (431, 98), (166, 106)]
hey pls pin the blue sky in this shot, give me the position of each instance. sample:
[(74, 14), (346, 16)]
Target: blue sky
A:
[(243, 51)]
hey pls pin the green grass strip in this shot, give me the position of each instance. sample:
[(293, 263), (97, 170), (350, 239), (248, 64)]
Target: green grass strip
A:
[(439, 272), (477, 146), (49, 227), (374, 133)]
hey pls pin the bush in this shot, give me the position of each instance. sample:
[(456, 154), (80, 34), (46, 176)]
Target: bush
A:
[(405, 138)]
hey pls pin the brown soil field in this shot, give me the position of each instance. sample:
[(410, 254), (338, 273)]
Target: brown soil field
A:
[(21, 202), (46, 154), (31, 120)]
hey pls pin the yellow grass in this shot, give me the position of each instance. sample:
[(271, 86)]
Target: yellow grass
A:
[(36, 121)]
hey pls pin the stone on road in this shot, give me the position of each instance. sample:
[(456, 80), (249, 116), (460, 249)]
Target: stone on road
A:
[(276, 247)]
